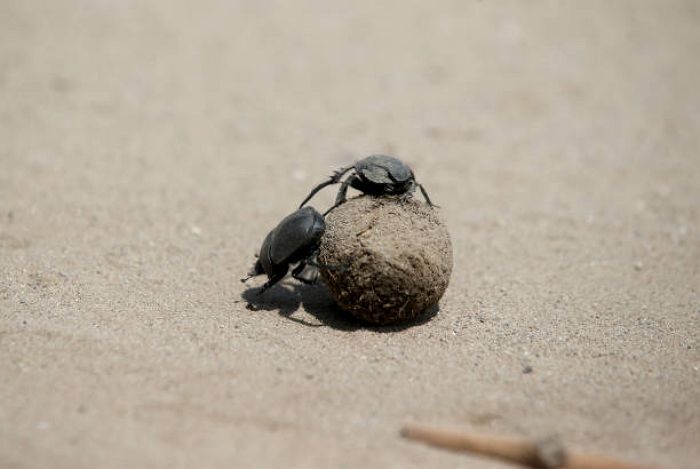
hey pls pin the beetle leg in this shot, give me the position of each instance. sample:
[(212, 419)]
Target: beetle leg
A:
[(334, 179), (425, 194), (406, 196), (305, 273), (342, 196), (273, 280)]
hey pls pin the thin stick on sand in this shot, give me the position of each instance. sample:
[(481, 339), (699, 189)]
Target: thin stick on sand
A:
[(545, 454)]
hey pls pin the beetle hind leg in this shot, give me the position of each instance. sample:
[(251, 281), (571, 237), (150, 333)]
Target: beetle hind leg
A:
[(273, 280), (352, 181), (334, 179)]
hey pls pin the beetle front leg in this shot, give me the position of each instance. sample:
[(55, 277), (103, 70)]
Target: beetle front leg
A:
[(408, 193), (425, 194), (305, 273)]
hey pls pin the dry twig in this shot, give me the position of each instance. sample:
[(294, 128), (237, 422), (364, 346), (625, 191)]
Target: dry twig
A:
[(544, 454)]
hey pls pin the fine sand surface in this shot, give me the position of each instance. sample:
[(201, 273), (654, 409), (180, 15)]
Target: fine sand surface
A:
[(146, 148)]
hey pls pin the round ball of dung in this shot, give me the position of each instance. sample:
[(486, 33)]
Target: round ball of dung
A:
[(390, 259)]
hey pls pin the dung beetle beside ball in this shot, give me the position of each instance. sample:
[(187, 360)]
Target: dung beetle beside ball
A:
[(375, 175), (294, 240)]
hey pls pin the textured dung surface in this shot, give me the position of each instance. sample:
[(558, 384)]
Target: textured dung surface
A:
[(398, 258)]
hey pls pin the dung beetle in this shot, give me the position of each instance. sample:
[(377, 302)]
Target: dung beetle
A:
[(294, 240), (375, 175)]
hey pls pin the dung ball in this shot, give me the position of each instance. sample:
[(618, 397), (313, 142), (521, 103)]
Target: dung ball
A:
[(392, 258)]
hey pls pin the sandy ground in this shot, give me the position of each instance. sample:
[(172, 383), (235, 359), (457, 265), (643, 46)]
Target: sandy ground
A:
[(147, 147)]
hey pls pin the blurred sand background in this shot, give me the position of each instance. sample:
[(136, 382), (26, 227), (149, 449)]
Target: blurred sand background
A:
[(146, 148)]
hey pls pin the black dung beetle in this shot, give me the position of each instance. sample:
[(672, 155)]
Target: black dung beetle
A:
[(295, 240), (375, 175)]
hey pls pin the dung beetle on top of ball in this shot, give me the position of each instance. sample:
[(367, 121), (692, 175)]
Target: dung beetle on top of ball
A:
[(375, 175), (295, 240)]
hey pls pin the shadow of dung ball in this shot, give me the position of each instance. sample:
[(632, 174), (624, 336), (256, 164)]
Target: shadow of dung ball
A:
[(398, 258)]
